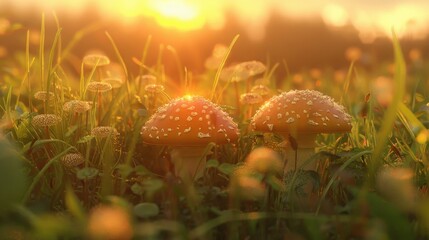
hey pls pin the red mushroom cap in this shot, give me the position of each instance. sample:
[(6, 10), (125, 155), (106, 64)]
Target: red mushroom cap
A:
[(304, 111), (189, 121)]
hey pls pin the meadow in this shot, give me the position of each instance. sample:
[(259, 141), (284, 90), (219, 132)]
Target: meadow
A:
[(76, 163)]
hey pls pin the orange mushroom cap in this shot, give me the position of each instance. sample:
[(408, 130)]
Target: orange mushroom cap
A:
[(304, 111), (189, 121)]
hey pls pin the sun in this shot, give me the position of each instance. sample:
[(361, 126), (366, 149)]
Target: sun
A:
[(180, 14), (183, 15)]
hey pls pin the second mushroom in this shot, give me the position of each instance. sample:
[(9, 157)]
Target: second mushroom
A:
[(300, 115)]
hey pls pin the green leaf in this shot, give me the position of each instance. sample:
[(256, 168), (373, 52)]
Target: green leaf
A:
[(146, 210), (212, 163), (85, 139), (137, 189), (71, 130), (87, 173), (276, 183), (152, 185), (226, 168), (125, 170), (142, 171), (13, 179)]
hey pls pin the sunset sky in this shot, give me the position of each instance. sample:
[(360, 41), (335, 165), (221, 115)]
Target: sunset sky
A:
[(371, 18)]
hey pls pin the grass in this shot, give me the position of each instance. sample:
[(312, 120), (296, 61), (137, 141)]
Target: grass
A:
[(126, 188)]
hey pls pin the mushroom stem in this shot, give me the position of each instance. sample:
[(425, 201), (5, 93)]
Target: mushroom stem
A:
[(189, 162), (305, 144), (99, 108)]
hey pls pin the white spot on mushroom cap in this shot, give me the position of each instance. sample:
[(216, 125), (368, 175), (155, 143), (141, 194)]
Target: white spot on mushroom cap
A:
[(203, 135), (311, 122), (290, 120)]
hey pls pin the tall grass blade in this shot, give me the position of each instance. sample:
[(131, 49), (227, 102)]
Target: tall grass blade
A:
[(121, 60), (222, 64), (391, 112)]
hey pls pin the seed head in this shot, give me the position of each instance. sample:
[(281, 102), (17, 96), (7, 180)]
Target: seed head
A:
[(43, 95), (261, 90), (251, 68), (103, 132), (96, 60), (99, 87), (251, 98), (154, 88), (72, 160), (242, 71), (76, 106), (45, 120)]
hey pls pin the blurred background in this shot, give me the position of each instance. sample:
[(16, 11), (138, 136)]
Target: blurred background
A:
[(303, 34)]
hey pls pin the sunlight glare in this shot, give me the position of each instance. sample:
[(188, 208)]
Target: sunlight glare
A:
[(180, 14)]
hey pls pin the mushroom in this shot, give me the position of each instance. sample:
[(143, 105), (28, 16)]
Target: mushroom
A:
[(188, 124), (299, 115)]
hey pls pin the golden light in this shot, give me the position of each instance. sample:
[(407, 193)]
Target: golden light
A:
[(188, 97), (179, 14), (408, 19)]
